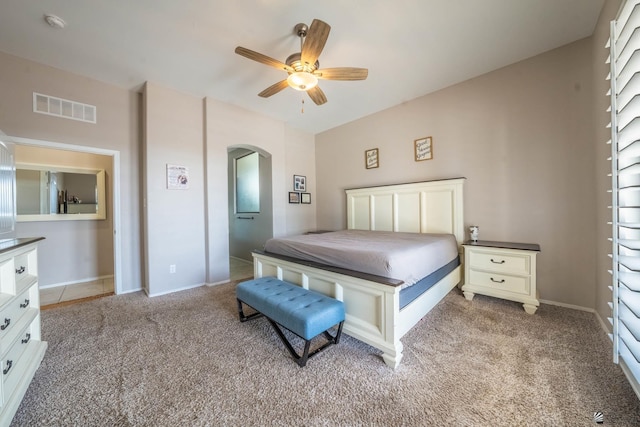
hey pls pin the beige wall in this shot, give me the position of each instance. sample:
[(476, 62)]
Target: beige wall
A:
[(228, 126), (300, 160), (116, 129), (521, 135), (292, 152), (180, 128), (174, 219)]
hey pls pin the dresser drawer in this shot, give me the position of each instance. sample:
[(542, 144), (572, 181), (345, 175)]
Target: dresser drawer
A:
[(501, 262), (501, 282), (12, 312), (26, 271), (12, 362)]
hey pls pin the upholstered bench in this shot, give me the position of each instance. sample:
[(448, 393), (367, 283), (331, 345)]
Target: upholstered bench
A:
[(305, 313)]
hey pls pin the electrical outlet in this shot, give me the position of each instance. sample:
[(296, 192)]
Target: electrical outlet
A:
[(172, 268)]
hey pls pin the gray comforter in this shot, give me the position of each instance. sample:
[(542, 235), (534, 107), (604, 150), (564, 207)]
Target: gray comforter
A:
[(404, 256)]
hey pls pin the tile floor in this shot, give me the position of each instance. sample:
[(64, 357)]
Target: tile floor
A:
[(76, 291), (238, 269)]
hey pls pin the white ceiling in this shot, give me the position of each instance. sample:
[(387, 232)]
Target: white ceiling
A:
[(411, 47)]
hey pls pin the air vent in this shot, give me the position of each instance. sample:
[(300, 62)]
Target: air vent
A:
[(59, 107)]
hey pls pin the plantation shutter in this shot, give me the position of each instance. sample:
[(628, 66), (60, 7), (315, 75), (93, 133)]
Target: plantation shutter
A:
[(624, 58)]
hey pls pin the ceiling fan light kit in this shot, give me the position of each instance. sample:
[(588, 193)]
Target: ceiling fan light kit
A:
[(303, 67), (302, 81)]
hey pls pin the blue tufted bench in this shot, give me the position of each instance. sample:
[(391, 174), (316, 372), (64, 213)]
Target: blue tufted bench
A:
[(305, 313)]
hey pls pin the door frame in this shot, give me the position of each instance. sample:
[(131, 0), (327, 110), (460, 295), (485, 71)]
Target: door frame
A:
[(115, 156)]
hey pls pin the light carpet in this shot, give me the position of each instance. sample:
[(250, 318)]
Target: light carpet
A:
[(185, 360)]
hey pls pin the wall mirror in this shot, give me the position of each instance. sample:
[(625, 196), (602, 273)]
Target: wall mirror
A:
[(51, 193)]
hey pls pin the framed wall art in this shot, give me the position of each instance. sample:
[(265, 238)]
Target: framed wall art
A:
[(423, 149), (371, 158), (294, 197), (305, 198), (299, 183), (177, 177)]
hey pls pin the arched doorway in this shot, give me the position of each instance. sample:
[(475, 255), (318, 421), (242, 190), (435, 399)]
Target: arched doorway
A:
[(250, 206)]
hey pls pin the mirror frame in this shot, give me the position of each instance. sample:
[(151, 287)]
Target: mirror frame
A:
[(102, 200)]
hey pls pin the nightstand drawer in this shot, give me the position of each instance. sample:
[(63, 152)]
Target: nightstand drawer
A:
[(501, 282), (500, 261)]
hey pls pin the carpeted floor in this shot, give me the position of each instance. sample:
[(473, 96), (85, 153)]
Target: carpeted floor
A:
[(185, 360)]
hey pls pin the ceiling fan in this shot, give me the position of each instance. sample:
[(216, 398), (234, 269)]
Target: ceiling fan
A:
[(303, 67)]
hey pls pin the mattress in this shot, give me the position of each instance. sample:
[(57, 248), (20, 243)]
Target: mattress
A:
[(408, 294), (403, 256)]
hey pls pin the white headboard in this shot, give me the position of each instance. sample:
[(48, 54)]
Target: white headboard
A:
[(419, 207)]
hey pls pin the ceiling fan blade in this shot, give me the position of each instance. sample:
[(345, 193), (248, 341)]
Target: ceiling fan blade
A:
[(343, 73), (314, 41), (263, 59), (317, 95), (273, 89)]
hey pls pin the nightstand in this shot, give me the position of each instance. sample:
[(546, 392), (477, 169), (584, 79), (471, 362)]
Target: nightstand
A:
[(503, 270)]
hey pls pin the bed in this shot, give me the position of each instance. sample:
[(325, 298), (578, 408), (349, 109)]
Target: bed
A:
[(381, 310)]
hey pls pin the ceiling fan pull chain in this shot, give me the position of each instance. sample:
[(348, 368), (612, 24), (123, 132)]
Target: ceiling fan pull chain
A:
[(302, 112)]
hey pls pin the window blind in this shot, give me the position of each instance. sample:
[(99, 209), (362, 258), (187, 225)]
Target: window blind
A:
[(624, 60)]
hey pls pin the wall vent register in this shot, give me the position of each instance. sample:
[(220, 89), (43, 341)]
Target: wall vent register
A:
[(59, 107)]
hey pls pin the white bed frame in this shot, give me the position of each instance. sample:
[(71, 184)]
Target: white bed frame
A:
[(372, 308)]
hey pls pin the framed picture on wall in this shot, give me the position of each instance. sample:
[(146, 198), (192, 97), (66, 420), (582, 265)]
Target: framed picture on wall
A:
[(371, 158), (177, 177), (299, 183), (305, 198), (423, 149), (294, 197)]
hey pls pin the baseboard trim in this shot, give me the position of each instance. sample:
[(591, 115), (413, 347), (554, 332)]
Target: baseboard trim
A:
[(561, 304), (130, 291), (185, 288), (222, 282), (604, 324)]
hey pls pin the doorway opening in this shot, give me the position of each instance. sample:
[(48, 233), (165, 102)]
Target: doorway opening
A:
[(94, 234), (250, 206)]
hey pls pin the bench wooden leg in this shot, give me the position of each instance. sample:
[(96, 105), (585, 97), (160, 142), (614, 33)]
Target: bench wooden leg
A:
[(301, 360), (243, 317), (335, 339)]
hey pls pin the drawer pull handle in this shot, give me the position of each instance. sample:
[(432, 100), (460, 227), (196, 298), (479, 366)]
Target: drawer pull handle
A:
[(26, 340), (6, 370), (497, 281), (20, 270), (497, 262), (7, 322), (26, 304)]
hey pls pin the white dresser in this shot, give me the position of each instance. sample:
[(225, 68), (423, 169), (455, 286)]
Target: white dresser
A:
[(503, 270), (21, 349)]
